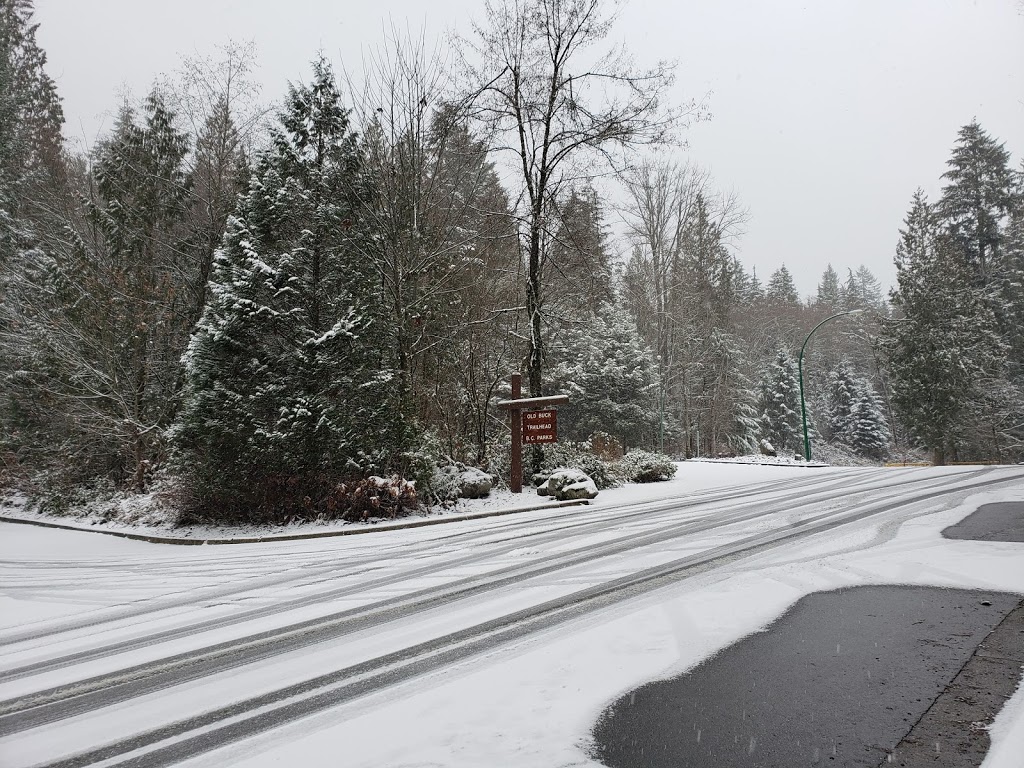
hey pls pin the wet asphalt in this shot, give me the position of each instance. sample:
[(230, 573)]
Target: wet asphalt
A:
[(1003, 521), (839, 680)]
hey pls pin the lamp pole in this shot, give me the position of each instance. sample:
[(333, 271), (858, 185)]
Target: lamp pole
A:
[(800, 369)]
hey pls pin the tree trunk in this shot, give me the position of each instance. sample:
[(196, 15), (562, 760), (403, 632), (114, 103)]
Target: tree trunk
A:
[(535, 363)]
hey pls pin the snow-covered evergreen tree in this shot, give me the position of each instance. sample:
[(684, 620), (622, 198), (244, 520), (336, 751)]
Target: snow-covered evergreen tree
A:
[(840, 395), (608, 373), (32, 177), (866, 430), (946, 343), (286, 388), (977, 197), (31, 119), (862, 290), (781, 289), (828, 297), (781, 421), (733, 398), (101, 308), (853, 413), (1008, 289), (578, 261)]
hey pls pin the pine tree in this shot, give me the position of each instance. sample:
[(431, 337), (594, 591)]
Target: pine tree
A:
[(946, 343), (731, 418), (578, 261), (781, 419), (1008, 290), (862, 290), (746, 285), (866, 430), (31, 119), (101, 310), (840, 396), (828, 297), (33, 191), (781, 289), (218, 176), (286, 387), (608, 373), (977, 198)]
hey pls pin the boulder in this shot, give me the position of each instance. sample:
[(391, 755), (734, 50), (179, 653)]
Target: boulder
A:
[(567, 484), (474, 483), (455, 481)]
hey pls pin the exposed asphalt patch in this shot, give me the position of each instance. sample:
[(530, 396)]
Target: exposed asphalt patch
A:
[(839, 680), (1003, 521), (954, 731)]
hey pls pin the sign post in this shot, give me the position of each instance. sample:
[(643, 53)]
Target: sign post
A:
[(533, 421)]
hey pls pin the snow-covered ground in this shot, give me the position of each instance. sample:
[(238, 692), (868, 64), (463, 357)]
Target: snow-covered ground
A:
[(78, 610), (149, 514)]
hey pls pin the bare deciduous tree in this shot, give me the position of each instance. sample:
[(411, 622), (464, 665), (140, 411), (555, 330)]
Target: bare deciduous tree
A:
[(680, 285), (219, 101), (443, 237), (560, 111)]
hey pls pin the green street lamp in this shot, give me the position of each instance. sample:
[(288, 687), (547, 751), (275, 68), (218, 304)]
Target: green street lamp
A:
[(800, 369)]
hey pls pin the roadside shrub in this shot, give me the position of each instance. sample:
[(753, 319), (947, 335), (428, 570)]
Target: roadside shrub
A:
[(422, 465), (372, 497), (280, 500), (578, 456), (499, 456), (639, 466)]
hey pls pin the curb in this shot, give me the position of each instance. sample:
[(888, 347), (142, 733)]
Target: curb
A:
[(297, 536)]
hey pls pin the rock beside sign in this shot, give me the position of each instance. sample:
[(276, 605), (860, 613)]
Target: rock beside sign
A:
[(460, 481), (567, 484), (474, 483)]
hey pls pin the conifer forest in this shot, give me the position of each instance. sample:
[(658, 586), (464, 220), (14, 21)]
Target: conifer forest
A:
[(268, 305)]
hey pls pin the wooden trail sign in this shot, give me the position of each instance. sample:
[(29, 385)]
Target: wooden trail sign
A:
[(542, 428)]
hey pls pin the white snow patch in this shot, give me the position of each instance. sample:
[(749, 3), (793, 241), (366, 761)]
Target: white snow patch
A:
[(1007, 734)]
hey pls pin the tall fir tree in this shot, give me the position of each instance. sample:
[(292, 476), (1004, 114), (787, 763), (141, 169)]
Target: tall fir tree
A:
[(781, 419), (31, 119), (287, 391), (781, 289), (945, 343), (608, 373), (33, 189), (840, 396), (861, 290), (1008, 289), (101, 310), (977, 198), (578, 260), (828, 297), (218, 176), (867, 432)]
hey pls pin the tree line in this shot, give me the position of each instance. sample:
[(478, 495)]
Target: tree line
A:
[(270, 307)]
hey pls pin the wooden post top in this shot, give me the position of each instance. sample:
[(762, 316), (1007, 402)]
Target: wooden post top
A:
[(526, 403)]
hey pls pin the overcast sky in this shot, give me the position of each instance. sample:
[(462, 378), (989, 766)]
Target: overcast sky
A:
[(826, 114)]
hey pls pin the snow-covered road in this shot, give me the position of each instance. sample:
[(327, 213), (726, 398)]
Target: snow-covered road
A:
[(485, 642)]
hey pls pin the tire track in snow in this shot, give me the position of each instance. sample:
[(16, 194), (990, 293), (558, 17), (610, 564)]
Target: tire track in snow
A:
[(650, 512), (329, 571), (51, 705)]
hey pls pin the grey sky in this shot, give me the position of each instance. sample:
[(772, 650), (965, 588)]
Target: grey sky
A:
[(826, 115)]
